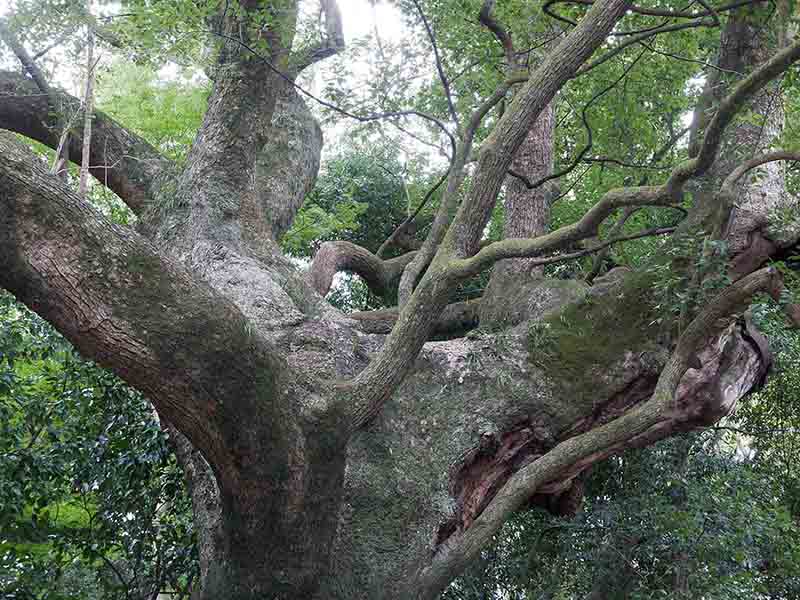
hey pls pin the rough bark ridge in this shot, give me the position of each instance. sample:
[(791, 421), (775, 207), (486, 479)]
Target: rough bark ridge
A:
[(326, 462), (527, 214)]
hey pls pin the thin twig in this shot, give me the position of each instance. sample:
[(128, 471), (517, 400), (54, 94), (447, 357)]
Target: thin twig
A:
[(589, 134), (439, 66)]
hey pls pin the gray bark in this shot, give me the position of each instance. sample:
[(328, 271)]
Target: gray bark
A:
[(329, 462)]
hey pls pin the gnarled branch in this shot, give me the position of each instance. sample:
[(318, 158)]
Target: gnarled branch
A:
[(640, 196), (333, 257), (363, 397), (652, 420)]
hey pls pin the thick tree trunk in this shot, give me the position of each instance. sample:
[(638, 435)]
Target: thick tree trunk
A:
[(332, 463), (752, 229)]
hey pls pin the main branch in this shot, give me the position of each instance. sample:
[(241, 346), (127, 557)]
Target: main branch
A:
[(122, 304), (119, 159)]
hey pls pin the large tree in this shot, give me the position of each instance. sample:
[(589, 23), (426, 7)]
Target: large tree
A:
[(339, 456)]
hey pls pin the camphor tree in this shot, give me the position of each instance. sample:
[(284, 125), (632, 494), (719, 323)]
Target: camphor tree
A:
[(340, 456)]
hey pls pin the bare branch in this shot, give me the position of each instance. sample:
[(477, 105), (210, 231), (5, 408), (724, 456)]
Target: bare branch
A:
[(652, 12), (726, 197), (439, 66), (486, 17), (88, 113), (28, 63), (558, 258), (334, 257), (597, 265), (401, 229), (757, 161), (568, 234)]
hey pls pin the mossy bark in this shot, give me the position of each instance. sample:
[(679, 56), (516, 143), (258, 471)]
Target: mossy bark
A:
[(332, 463)]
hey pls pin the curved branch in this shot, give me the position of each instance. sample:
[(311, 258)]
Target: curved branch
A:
[(662, 195), (119, 159), (638, 39), (756, 161), (338, 109), (580, 157), (504, 37), (726, 197), (333, 257), (727, 109), (450, 198), (652, 12), (362, 398), (401, 229), (651, 420), (585, 227)]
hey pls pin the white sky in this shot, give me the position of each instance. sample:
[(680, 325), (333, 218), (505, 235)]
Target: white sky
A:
[(357, 19), (360, 18)]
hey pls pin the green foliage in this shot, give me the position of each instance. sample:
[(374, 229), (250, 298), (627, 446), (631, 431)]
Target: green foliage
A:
[(165, 113), (360, 196), (314, 225), (692, 269), (92, 503), (688, 507)]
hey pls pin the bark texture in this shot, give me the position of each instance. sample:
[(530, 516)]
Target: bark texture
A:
[(527, 215), (327, 458)]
